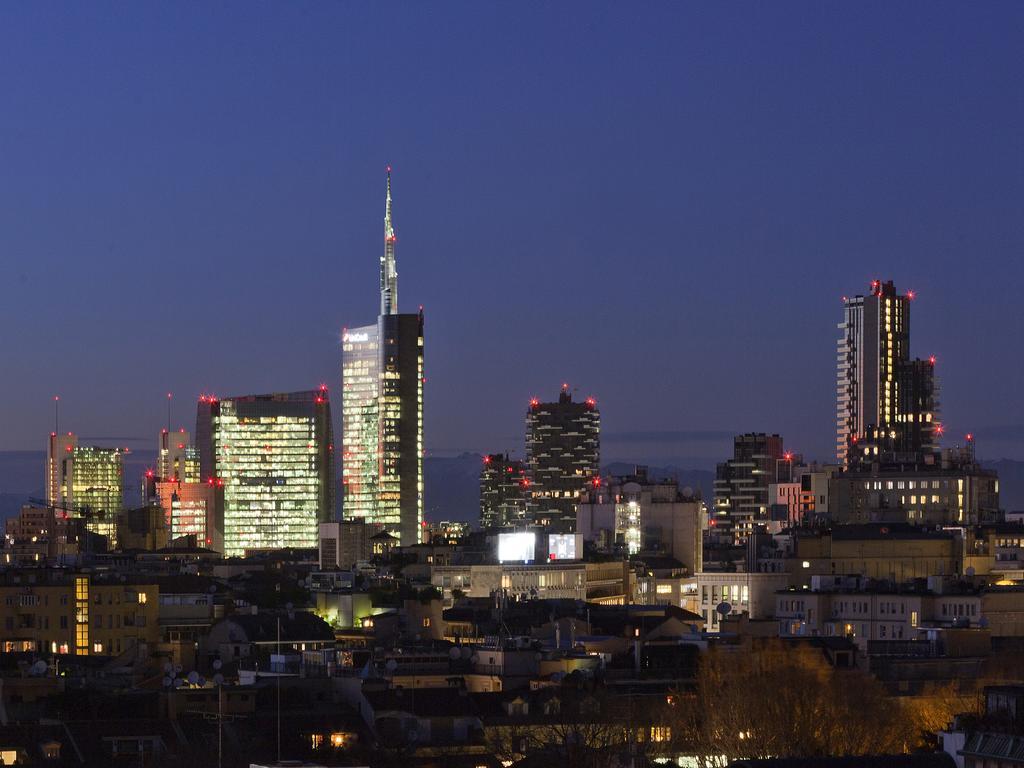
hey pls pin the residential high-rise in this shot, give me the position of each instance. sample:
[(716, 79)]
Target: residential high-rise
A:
[(880, 393), (274, 456), (382, 409), (504, 491), (563, 457), (89, 479), (741, 485)]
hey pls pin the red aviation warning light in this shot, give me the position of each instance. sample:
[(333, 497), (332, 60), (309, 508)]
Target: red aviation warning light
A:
[(911, 295), (591, 402), (970, 437), (932, 359), (534, 402), (487, 459)]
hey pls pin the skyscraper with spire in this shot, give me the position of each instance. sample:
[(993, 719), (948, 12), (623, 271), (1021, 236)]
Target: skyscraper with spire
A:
[(388, 269), (382, 409)]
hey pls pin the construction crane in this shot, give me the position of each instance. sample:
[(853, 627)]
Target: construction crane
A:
[(87, 512)]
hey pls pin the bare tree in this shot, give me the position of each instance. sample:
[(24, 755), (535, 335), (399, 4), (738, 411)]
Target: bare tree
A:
[(772, 699)]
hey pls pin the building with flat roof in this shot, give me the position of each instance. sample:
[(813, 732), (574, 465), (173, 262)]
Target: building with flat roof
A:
[(177, 458), (194, 509), (637, 515), (504, 492), (273, 455), (741, 485), (945, 488), (86, 480)]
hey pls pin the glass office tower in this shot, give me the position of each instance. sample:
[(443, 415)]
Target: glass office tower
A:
[(382, 409), (274, 456), (360, 439), (87, 480)]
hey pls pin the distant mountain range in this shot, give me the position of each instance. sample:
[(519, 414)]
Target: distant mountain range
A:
[(451, 484)]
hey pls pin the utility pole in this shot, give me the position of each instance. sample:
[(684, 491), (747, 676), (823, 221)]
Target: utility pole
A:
[(279, 691)]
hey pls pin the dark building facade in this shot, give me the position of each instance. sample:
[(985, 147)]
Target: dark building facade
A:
[(504, 492), (741, 485), (943, 488), (400, 482), (563, 457), (274, 455)]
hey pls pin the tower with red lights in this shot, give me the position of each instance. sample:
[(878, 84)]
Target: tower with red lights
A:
[(504, 492), (884, 400), (382, 409), (563, 457), (272, 457)]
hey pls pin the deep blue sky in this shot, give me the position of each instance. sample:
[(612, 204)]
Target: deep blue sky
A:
[(661, 203)]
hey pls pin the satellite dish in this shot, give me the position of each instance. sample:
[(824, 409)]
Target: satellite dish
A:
[(177, 669), (167, 682), (475, 658), (217, 663), (178, 682), (970, 570), (723, 608), (391, 666), (202, 681), (168, 667), (193, 677), (39, 668), (454, 653), (218, 679), (688, 491)]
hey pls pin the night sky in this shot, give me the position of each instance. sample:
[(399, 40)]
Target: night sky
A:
[(659, 203)]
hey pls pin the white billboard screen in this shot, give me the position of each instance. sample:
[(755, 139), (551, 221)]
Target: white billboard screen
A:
[(562, 546), (516, 547)]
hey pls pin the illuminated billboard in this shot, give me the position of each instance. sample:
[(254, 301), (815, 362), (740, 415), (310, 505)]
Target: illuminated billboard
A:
[(516, 547), (563, 546)]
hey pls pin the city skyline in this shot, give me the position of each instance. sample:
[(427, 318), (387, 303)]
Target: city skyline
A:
[(914, 190)]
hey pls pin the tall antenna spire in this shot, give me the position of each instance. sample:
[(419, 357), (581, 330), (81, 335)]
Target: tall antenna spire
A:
[(388, 268)]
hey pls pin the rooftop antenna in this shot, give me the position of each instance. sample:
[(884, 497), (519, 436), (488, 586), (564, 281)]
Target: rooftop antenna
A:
[(169, 396), (56, 414)]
